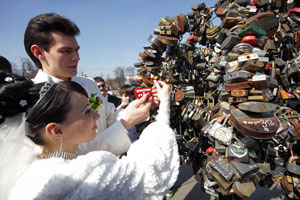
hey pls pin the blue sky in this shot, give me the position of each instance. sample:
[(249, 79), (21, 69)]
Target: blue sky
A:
[(112, 32)]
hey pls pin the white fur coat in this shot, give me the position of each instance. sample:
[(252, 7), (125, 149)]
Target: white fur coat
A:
[(147, 172)]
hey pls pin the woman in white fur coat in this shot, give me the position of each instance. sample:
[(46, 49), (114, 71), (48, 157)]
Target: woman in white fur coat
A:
[(61, 120)]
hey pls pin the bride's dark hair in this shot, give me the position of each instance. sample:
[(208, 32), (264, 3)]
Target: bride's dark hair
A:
[(53, 107)]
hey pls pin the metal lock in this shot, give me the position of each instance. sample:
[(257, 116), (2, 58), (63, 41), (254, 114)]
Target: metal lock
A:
[(292, 69), (245, 58), (260, 81), (236, 152), (223, 168), (214, 77), (270, 45), (243, 189), (239, 93), (292, 166), (235, 86), (253, 66), (230, 41), (236, 76), (212, 34), (258, 107), (231, 56), (219, 132), (261, 3), (293, 25)]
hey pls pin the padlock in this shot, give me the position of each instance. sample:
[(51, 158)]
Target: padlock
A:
[(260, 82), (231, 56), (222, 10), (222, 167), (244, 58), (229, 21), (250, 39), (293, 25), (292, 69), (222, 36), (253, 66), (230, 42), (270, 45), (238, 76), (242, 48), (292, 166), (261, 3), (159, 45), (266, 20), (243, 169), (237, 99), (214, 77), (167, 40), (243, 189), (212, 34), (254, 126), (238, 153), (236, 86), (285, 184), (258, 107), (239, 93)]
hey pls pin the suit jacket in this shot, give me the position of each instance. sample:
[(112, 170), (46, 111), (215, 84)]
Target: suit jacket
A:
[(112, 135), (113, 99)]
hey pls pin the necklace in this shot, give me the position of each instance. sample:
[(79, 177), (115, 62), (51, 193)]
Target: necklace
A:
[(61, 154)]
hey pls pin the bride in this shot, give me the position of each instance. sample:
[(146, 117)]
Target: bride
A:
[(62, 119)]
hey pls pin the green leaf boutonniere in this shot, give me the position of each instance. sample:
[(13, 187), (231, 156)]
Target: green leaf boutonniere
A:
[(95, 101)]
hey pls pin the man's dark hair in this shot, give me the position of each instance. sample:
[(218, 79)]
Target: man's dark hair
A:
[(39, 30), (5, 65), (99, 79)]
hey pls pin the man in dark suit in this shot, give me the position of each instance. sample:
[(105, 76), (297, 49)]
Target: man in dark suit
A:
[(103, 89)]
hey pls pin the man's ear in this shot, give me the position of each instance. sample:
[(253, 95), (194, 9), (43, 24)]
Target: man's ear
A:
[(53, 130), (37, 51)]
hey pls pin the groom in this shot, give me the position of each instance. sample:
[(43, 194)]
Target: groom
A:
[(51, 44)]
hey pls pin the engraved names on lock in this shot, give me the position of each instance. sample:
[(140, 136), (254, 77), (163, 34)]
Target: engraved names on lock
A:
[(265, 124)]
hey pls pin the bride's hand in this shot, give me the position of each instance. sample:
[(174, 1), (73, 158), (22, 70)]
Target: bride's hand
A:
[(163, 91)]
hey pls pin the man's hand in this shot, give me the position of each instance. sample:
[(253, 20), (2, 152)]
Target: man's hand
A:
[(136, 112)]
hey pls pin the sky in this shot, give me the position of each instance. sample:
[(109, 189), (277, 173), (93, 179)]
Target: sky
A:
[(112, 33)]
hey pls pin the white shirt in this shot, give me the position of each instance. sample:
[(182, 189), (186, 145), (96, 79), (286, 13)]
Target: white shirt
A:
[(112, 135)]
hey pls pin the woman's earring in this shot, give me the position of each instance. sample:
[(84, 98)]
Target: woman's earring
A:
[(61, 143)]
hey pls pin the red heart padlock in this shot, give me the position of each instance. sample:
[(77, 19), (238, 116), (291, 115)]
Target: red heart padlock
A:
[(141, 91)]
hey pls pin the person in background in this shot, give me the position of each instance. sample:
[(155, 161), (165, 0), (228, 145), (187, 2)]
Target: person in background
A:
[(103, 89), (126, 93), (5, 66)]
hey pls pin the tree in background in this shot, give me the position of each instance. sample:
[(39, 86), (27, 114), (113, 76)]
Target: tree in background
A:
[(122, 76), (119, 73), (27, 69)]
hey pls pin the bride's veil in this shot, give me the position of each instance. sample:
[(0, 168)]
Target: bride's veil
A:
[(16, 152)]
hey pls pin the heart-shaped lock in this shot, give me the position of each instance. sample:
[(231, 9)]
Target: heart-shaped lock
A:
[(141, 91)]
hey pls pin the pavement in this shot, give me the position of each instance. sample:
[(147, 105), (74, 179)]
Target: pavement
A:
[(189, 189)]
